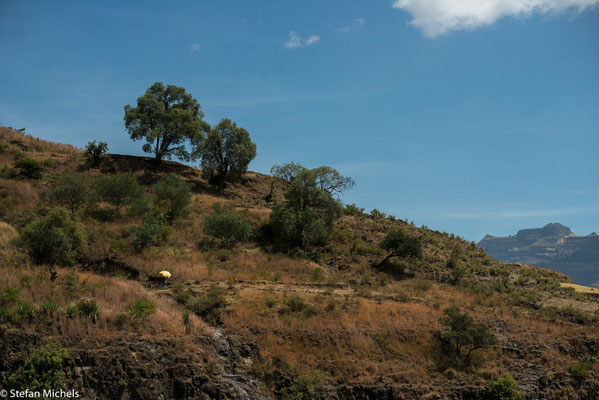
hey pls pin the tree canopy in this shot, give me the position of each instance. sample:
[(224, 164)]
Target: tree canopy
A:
[(119, 189), (166, 117), (326, 178), (225, 153), (401, 245), (462, 333), (306, 219)]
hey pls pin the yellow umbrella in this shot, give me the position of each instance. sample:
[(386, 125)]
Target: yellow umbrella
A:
[(165, 274)]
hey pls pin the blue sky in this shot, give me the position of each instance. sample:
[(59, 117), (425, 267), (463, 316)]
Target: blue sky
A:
[(469, 117)]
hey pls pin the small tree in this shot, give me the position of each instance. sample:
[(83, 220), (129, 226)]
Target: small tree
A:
[(400, 245), (463, 334), (174, 192), (504, 388), (226, 153), (73, 190), (119, 189), (53, 239), (166, 117), (29, 169), (94, 152), (306, 220)]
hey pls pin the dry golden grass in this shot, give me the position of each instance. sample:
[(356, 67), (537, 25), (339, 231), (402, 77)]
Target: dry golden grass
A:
[(113, 296), (580, 288), (374, 328), (28, 143), (353, 339), (17, 196), (7, 234)]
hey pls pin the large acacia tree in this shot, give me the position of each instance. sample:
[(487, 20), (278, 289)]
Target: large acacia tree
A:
[(166, 117), (225, 153)]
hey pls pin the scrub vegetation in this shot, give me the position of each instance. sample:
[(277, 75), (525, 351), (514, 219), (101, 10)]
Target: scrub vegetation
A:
[(313, 297)]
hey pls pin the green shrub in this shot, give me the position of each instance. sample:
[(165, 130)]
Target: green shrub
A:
[(71, 311), (352, 209), (580, 371), (8, 173), (29, 169), (9, 296), (142, 309), (174, 192), (377, 214), (48, 308), (270, 302), (295, 303), (304, 387), (119, 189), (54, 239), (26, 310), (186, 317), (317, 274), (209, 304), (152, 232), (504, 388), (42, 371), (228, 228), (88, 308), (140, 205)]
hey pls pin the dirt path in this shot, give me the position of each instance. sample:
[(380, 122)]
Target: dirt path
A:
[(339, 290)]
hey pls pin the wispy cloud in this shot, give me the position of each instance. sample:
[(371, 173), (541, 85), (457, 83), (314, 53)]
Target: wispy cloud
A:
[(312, 39), (522, 213), (357, 23), (195, 47), (438, 17), (295, 40)]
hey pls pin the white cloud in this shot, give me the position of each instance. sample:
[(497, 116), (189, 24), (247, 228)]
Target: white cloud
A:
[(437, 17), (195, 47), (312, 39), (360, 21), (295, 40)]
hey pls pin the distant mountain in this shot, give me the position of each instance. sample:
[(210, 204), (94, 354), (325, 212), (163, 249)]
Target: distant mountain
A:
[(554, 246)]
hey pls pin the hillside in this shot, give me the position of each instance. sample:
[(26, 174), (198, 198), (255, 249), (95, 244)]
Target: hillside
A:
[(554, 247), (249, 322)]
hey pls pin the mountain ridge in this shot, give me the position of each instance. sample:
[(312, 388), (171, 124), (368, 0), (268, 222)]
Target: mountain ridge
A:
[(553, 246)]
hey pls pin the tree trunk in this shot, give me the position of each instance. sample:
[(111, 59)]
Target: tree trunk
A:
[(221, 185), (385, 260)]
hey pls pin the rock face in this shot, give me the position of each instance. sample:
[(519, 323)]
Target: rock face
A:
[(554, 246)]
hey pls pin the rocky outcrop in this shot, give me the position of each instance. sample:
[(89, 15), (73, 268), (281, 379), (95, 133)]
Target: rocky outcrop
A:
[(554, 246), (139, 367)]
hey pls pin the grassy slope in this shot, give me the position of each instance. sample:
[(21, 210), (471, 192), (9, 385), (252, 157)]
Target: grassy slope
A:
[(363, 325)]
